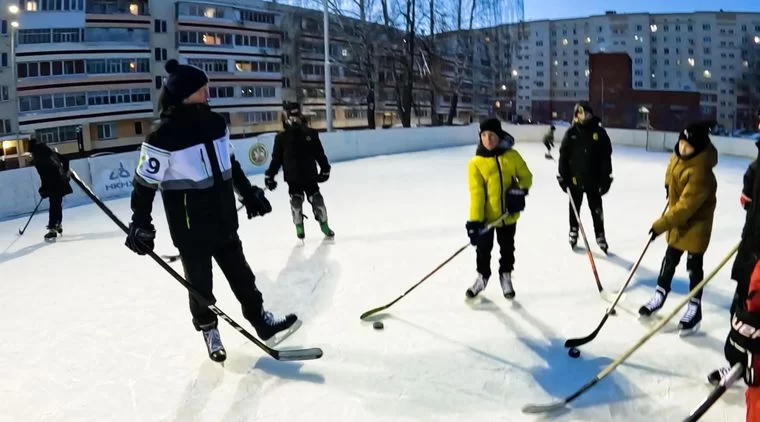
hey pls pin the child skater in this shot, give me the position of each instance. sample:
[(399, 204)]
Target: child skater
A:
[(549, 143), (53, 169), (499, 179), (690, 188)]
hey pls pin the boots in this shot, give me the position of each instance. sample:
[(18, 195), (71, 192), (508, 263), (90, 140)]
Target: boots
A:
[(214, 345), (506, 285)]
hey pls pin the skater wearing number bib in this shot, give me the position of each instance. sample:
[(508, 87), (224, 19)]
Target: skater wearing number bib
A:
[(189, 157)]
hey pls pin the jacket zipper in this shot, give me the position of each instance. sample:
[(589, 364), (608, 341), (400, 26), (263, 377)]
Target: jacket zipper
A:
[(203, 160), (501, 184), (187, 216)]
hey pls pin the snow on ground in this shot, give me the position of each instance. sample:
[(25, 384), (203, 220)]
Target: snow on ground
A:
[(92, 332)]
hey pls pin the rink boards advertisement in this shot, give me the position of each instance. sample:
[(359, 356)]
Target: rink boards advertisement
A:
[(112, 175)]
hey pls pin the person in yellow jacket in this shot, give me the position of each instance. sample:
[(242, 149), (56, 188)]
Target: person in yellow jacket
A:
[(690, 187), (499, 180)]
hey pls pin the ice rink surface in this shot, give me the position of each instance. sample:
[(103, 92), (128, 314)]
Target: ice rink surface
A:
[(92, 332)]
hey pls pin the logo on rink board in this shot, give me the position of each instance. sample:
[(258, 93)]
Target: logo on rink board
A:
[(258, 154)]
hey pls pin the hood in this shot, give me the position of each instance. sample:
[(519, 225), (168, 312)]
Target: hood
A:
[(192, 114), (503, 146), (707, 158)]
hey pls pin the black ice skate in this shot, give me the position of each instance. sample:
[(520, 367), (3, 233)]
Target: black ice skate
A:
[(214, 345), (506, 285), (573, 237), (601, 240), (52, 233), (272, 330), (690, 321), (477, 287), (715, 376), (655, 303), (548, 156)]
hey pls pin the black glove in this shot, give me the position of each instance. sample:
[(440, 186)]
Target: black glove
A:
[(653, 234), (604, 187), (323, 176), (741, 344), (562, 183), (270, 183), (43, 192), (667, 192), (473, 231), (141, 239), (516, 200), (255, 202)]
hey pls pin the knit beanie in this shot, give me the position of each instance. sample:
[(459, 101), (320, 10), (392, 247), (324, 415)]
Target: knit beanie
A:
[(493, 125), (697, 135), (183, 80)]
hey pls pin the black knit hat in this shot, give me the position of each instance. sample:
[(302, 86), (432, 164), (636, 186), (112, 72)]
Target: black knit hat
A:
[(697, 134), (183, 80), (493, 125), (292, 109)]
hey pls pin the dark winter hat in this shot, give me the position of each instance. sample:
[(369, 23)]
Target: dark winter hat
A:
[(292, 109), (492, 125), (183, 80), (697, 134)]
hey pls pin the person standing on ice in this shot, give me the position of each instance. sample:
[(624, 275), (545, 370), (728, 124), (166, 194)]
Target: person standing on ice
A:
[(498, 180), (585, 166), (298, 150), (53, 169), (549, 142), (189, 157), (690, 188)]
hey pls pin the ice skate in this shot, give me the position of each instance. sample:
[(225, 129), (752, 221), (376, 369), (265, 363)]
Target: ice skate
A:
[(272, 330), (601, 240), (214, 345), (689, 323), (506, 285), (715, 376), (548, 156), (573, 237), (477, 287), (51, 235), (655, 303), (329, 234)]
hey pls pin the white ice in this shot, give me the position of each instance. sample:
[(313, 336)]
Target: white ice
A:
[(91, 332)]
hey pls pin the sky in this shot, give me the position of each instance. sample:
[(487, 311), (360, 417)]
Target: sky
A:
[(537, 9)]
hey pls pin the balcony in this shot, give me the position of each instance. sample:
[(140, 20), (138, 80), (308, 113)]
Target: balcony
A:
[(117, 7)]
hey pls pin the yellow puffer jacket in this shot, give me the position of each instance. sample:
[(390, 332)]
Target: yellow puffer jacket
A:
[(691, 201), (490, 175)]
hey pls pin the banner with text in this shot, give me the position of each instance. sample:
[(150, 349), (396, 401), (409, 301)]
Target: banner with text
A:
[(112, 175)]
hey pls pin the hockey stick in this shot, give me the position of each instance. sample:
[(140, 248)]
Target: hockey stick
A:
[(575, 342), (175, 258), (282, 355), (559, 404), (585, 241), (725, 384), (460, 250), (21, 231)]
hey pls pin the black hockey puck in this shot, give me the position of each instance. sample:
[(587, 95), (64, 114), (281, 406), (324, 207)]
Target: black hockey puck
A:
[(574, 353), (613, 312), (378, 325)]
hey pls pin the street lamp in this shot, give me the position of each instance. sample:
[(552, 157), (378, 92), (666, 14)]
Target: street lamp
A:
[(13, 9), (328, 82)]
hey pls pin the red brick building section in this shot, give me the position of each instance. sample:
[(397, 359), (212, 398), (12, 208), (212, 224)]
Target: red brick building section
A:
[(614, 100)]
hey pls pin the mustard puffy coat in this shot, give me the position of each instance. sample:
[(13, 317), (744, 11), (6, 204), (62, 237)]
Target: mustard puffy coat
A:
[(691, 201), (490, 175)]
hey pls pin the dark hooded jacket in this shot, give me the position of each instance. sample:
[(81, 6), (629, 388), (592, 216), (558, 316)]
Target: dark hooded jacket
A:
[(749, 249), (53, 169), (298, 150), (585, 155)]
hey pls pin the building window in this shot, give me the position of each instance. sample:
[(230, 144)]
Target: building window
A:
[(138, 128), (258, 91), (5, 127), (159, 54), (204, 38), (221, 92), (254, 117), (210, 65), (159, 82), (4, 95), (105, 131), (3, 27), (266, 67)]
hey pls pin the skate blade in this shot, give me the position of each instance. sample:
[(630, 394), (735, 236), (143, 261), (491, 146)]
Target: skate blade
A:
[(689, 332), (282, 335)]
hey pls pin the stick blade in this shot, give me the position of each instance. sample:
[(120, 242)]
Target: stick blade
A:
[(372, 312), (544, 408), (298, 354), (575, 342)]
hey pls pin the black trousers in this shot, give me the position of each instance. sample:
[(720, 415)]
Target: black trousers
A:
[(506, 238), (594, 204), (694, 263), (228, 254), (306, 191), (55, 212)]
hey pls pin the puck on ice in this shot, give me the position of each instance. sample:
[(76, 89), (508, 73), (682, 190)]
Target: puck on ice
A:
[(378, 325), (574, 353)]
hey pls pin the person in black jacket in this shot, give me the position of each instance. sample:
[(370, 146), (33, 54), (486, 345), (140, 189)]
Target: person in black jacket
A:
[(585, 166), (189, 157), (53, 169), (298, 150)]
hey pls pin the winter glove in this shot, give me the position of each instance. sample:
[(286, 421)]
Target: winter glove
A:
[(43, 192), (473, 231), (604, 187), (255, 202), (658, 228), (562, 183), (516, 200), (270, 183), (141, 239), (742, 344), (745, 201), (667, 192), (323, 176)]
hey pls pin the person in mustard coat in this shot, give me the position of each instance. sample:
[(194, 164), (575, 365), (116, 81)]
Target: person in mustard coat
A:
[(690, 186), (499, 180)]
